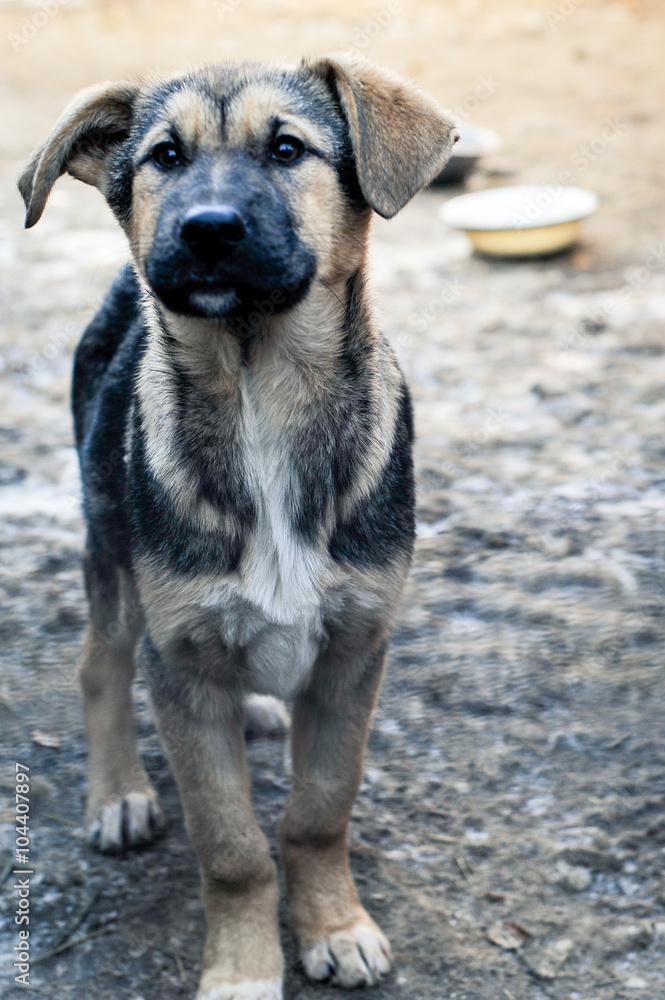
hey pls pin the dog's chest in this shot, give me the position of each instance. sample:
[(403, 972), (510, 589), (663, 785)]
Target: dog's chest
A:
[(272, 608), (282, 572)]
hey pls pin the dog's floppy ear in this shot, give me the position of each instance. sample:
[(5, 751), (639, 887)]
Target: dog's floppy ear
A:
[(401, 138), (97, 120)]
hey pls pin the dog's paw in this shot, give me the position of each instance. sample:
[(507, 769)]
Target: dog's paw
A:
[(248, 989), (356, 956), (265, 716), (127, 821)]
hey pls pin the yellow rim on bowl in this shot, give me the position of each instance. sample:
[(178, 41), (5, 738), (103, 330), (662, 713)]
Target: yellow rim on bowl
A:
[(524, 242)]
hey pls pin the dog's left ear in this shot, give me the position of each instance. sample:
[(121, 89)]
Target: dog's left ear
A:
[(94, 123), (401, 138)]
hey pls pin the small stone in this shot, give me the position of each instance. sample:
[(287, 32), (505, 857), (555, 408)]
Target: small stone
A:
[(587, 857), (49, 740), (631, 840), (628, 937), (573, 878), (505, 936), (493, 896), (477, 843), (556, 954)]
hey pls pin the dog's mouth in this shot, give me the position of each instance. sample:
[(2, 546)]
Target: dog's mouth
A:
[(190, 294), (215, 302), (215, 298)]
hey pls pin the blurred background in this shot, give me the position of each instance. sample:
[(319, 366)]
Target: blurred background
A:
[(510, 833)]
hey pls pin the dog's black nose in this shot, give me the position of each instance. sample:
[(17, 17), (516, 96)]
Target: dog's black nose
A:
[(211, 230)]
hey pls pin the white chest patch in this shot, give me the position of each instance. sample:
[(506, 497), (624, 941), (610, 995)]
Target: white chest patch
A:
[(272, 609), (282, 574)]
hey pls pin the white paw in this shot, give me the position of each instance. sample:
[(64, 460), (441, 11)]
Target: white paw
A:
[(248, 989), (265, 716), (130, 821), (357, 956)]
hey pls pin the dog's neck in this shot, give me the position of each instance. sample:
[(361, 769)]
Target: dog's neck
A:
[(297, 348)]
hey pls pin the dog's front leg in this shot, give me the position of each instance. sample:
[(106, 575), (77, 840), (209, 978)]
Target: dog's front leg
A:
[(336, 936), (202, 731)]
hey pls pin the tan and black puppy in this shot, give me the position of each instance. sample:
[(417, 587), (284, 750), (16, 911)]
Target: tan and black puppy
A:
[(245, 434)]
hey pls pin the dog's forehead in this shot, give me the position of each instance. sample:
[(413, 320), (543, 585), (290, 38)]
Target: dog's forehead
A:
[(233, 105)]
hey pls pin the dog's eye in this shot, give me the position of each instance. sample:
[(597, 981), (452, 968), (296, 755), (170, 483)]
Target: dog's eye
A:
[(287, 149), (166, 155)]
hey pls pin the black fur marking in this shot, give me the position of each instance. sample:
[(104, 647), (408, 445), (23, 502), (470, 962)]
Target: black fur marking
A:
[(104, 369), (159, 530), (208, 445), (345, 163), (383, 526), (100, 341), (328, 454)]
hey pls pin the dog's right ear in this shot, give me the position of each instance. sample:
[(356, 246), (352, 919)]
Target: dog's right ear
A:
[(96, 121)]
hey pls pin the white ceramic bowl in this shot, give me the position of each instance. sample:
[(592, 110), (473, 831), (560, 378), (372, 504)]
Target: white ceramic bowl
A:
[(474, 142), (522, 221)]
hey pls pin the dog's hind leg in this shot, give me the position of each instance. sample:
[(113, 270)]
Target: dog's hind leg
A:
[(123, 808), (336, 936)]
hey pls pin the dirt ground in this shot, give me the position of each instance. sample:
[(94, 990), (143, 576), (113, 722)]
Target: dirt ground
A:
[(510, 831)]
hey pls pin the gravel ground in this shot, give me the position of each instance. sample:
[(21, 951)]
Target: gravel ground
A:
[(510, 831)]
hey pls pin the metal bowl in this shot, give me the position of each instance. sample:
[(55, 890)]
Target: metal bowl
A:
[(474, 143), (524, 221)]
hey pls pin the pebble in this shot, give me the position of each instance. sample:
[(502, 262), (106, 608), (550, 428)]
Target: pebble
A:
[(573, 878), (555, 956), (587, 857), (628, 937), (631, 840)]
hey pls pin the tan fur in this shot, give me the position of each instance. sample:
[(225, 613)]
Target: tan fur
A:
[(107, 105), (391, 123), (239, 879), (117, 780)]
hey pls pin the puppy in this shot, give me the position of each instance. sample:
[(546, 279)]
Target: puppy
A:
[(244, 434)]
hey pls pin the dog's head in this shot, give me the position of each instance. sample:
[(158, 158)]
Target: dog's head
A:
[(243, 181)]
